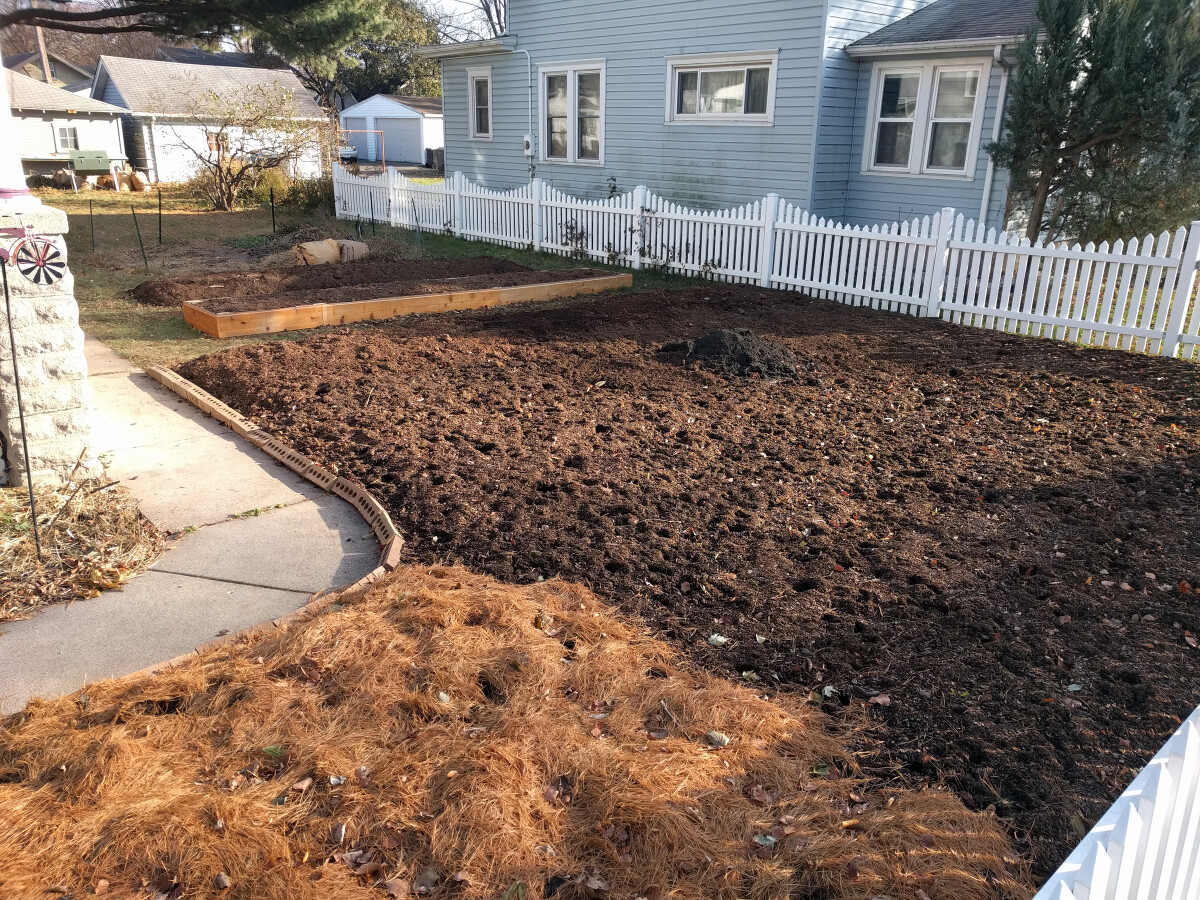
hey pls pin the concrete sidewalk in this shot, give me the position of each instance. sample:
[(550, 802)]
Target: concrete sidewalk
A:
[(191, 475)]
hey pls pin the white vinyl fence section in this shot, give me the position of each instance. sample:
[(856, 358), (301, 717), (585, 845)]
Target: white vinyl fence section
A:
[(1136, 295), (1147, 846)]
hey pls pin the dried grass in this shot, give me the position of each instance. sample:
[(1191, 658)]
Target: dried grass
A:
[(93, 539), (454, 706)]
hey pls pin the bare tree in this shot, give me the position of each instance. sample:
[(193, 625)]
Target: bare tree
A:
[(237, 137), (477, 20)]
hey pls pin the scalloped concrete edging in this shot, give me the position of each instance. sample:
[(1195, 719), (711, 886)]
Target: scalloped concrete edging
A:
[(366, 505)]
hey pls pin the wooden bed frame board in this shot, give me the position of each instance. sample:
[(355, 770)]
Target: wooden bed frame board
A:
[(299, 318)]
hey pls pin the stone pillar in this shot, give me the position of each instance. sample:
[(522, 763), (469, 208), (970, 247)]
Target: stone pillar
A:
[(50, 359)]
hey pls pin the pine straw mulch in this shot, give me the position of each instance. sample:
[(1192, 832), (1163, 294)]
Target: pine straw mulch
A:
[(93, 539), (445, 735)]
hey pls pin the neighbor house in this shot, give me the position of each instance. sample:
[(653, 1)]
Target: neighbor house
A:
[(63, 73), (865, 111), (51, 122), (405, 127), (169, 110)]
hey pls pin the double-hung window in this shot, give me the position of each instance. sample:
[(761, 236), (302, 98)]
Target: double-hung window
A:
[(722, 88), (925, 119), (68, 138), (572, 106), (479, 82)]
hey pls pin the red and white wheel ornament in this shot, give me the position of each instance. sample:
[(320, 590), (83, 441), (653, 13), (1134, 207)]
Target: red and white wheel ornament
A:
[(39, 260)]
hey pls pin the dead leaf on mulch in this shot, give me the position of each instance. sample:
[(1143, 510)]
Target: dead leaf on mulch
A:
[(93, 539), (684, 814)]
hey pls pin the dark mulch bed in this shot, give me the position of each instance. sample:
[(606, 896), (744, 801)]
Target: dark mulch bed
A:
[(399, 288), (996, 534), (175, 291)]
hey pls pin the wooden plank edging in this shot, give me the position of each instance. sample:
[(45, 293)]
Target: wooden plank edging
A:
[(315, 315)]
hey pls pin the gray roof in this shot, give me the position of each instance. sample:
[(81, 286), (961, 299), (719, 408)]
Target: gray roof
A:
[(156, 87), (35, 56), (30, 94), (426, 106), (956, 21), (199, 57)]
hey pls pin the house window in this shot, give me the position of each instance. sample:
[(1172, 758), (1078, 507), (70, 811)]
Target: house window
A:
[(68, 138), (572, 102), (925, 119), (479, 83), (729, 89)]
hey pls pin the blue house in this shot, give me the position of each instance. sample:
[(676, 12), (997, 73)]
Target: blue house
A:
[(864, 111)]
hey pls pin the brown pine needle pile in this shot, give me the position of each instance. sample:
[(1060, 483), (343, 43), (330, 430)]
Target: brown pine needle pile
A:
[(444, 735), (93, 539)]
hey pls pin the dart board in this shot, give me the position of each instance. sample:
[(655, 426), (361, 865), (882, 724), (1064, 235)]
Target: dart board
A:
[(39, 261)]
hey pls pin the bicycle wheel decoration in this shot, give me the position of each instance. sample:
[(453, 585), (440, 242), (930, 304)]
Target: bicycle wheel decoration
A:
[(39, 261)]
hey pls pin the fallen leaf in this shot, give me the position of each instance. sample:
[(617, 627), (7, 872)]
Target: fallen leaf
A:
[(716, 739), (302, 785), (426, 881), (1191, 640), (718, 640), (222, 882), (516, 892), (851, 824), (101, 887), (337, 833), (881, 700), (397, 887)]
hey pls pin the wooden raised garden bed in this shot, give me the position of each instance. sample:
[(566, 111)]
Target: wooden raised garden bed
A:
[(295, 318)]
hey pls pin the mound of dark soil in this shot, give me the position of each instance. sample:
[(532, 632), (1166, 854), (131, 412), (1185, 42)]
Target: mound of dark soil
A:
[(175, 291), (740, 352)]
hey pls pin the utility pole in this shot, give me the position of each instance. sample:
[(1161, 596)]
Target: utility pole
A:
[(41, 39)]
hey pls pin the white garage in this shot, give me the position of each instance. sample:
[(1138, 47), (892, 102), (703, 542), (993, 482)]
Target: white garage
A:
[(400, 128)]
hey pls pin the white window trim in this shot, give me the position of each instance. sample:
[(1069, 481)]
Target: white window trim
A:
[(741, 59), (922, 121), (475, 73), (571, 69), (63, 123)]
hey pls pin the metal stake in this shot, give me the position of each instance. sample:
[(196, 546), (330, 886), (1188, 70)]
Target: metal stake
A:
[(371, 199), (145, 261), (272, 210), (12, 343), (160, 215), (92, 221)]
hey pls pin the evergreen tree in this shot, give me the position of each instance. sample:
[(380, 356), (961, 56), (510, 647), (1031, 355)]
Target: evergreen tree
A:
[(1102, 130)]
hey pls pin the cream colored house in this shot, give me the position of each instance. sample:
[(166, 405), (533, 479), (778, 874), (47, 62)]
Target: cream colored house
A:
[(51, 122)]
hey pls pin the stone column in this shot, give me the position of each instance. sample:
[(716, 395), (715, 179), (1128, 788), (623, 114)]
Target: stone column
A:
[(49, 342), (50, 360)]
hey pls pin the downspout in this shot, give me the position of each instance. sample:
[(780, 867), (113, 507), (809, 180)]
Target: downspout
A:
[(529, 76), (997, 129)]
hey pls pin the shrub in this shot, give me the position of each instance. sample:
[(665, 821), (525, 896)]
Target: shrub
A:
[(270, 180), (40, 181), (310, 193)]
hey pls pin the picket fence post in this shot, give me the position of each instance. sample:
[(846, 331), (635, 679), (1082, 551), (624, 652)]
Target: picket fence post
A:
[(936, 285), (457, 217), (1182, 294), (639, 223), (766, 247), (536, 210)]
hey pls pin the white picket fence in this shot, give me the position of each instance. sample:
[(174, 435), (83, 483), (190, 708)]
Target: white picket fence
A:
[(1147, 846), (1138, 295)]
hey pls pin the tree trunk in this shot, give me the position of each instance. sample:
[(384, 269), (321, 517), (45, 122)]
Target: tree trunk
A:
[(1041, 196)]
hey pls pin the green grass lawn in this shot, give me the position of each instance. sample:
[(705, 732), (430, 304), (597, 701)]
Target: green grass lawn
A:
[(195, 239)]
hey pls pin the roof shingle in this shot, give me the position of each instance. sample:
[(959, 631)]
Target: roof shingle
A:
[(156, 87), (956, 21), (426, 106), (30, 94)]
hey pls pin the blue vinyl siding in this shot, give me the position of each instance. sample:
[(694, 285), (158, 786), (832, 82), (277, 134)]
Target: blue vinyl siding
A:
[(848, 20), (706, 166), (811, 155)]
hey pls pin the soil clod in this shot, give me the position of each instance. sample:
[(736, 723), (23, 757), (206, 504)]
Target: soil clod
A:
[(740, 352)]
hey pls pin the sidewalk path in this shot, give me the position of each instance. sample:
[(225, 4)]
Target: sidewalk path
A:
[(187, 471)]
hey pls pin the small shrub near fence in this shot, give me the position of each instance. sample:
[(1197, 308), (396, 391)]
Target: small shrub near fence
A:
[(1137, 295)]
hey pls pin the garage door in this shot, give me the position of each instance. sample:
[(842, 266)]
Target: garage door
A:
[(402, 140), (356, 140)]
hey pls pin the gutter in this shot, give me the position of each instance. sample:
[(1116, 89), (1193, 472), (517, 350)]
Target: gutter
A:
[(924, 48), (503, 44), (997, 129)]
